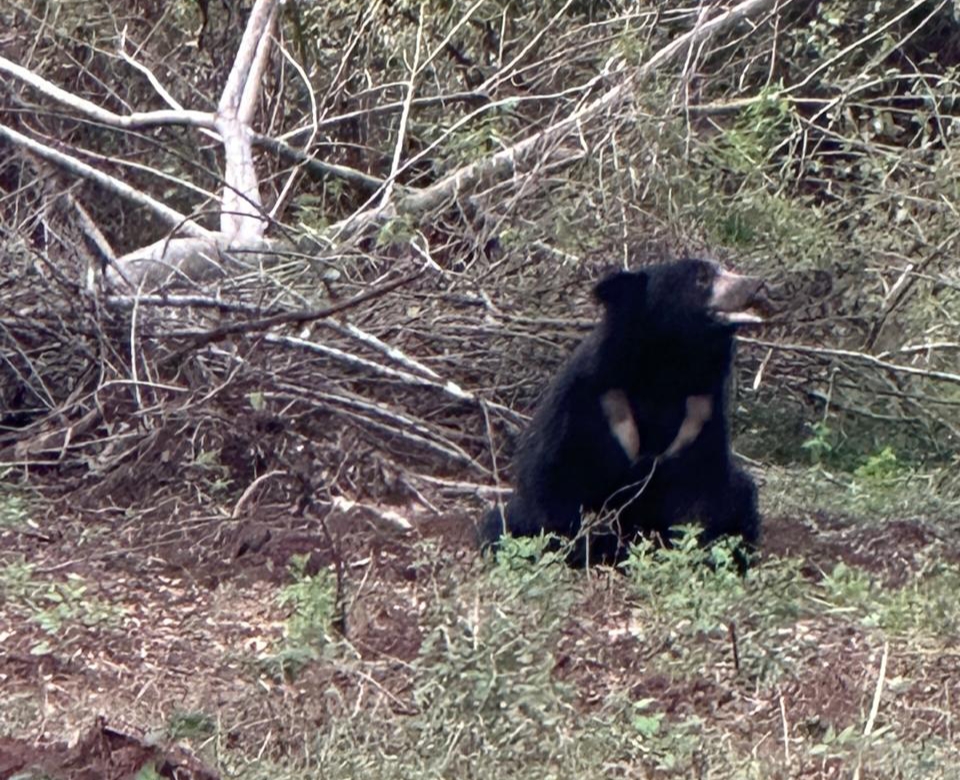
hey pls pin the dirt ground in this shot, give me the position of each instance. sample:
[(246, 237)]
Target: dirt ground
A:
[(193, 599)]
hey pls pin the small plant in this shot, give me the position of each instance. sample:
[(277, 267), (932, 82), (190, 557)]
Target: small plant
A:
[(925, 605), (286, 664), (148, 772), (257, 401), (487, 673), (523, 555), (313, 602), (65, 602), (16, 581), (880, 467), (820, 445), (190, 725), (848, 588), (53, 605), (13, 509), (209, 463), (687, 581), (394, 231), (645, 721)]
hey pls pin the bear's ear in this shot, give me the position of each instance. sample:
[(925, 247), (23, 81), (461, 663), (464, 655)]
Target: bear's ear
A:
[(625, 287)]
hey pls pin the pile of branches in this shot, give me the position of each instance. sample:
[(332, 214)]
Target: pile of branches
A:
[(376, 387)]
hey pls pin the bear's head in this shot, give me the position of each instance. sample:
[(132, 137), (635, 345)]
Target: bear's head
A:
[(679, 317), (691, 293)]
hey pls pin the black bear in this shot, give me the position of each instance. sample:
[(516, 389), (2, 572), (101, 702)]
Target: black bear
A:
[(634, 427)]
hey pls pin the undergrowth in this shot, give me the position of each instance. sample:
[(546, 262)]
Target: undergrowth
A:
[(61, 607), (487, 700)]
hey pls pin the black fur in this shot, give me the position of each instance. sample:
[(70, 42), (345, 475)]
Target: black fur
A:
[(659, 344)]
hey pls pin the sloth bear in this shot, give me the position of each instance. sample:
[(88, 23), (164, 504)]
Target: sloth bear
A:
[(633, 430)]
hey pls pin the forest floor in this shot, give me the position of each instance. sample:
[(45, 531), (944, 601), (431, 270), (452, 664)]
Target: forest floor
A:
[(167, 649)]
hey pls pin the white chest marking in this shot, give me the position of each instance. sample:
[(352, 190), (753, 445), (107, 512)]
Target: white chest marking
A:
[(616, 408), (699, 411)]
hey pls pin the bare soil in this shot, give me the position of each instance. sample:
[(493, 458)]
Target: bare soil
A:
[(193, 601)]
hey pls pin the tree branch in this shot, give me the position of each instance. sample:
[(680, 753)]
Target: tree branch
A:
[(241, 212), (203, 337), (846, 353), (528, 152), (68, 163), (136, 120)]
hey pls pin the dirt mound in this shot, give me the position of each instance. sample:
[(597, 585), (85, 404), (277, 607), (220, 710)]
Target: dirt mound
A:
[(890, 550), (102, 753)]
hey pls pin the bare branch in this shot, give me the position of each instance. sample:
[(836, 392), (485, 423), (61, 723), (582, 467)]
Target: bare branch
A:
[(293, 317), (846, 353), (528, 152), (191, 259), (180, 301), (139, 119), (405, 115), (71, 164), (241, 215), (320, 168)]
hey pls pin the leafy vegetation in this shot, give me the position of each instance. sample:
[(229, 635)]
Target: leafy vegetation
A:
[(59, 606), (312, 603), (13, 506)]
